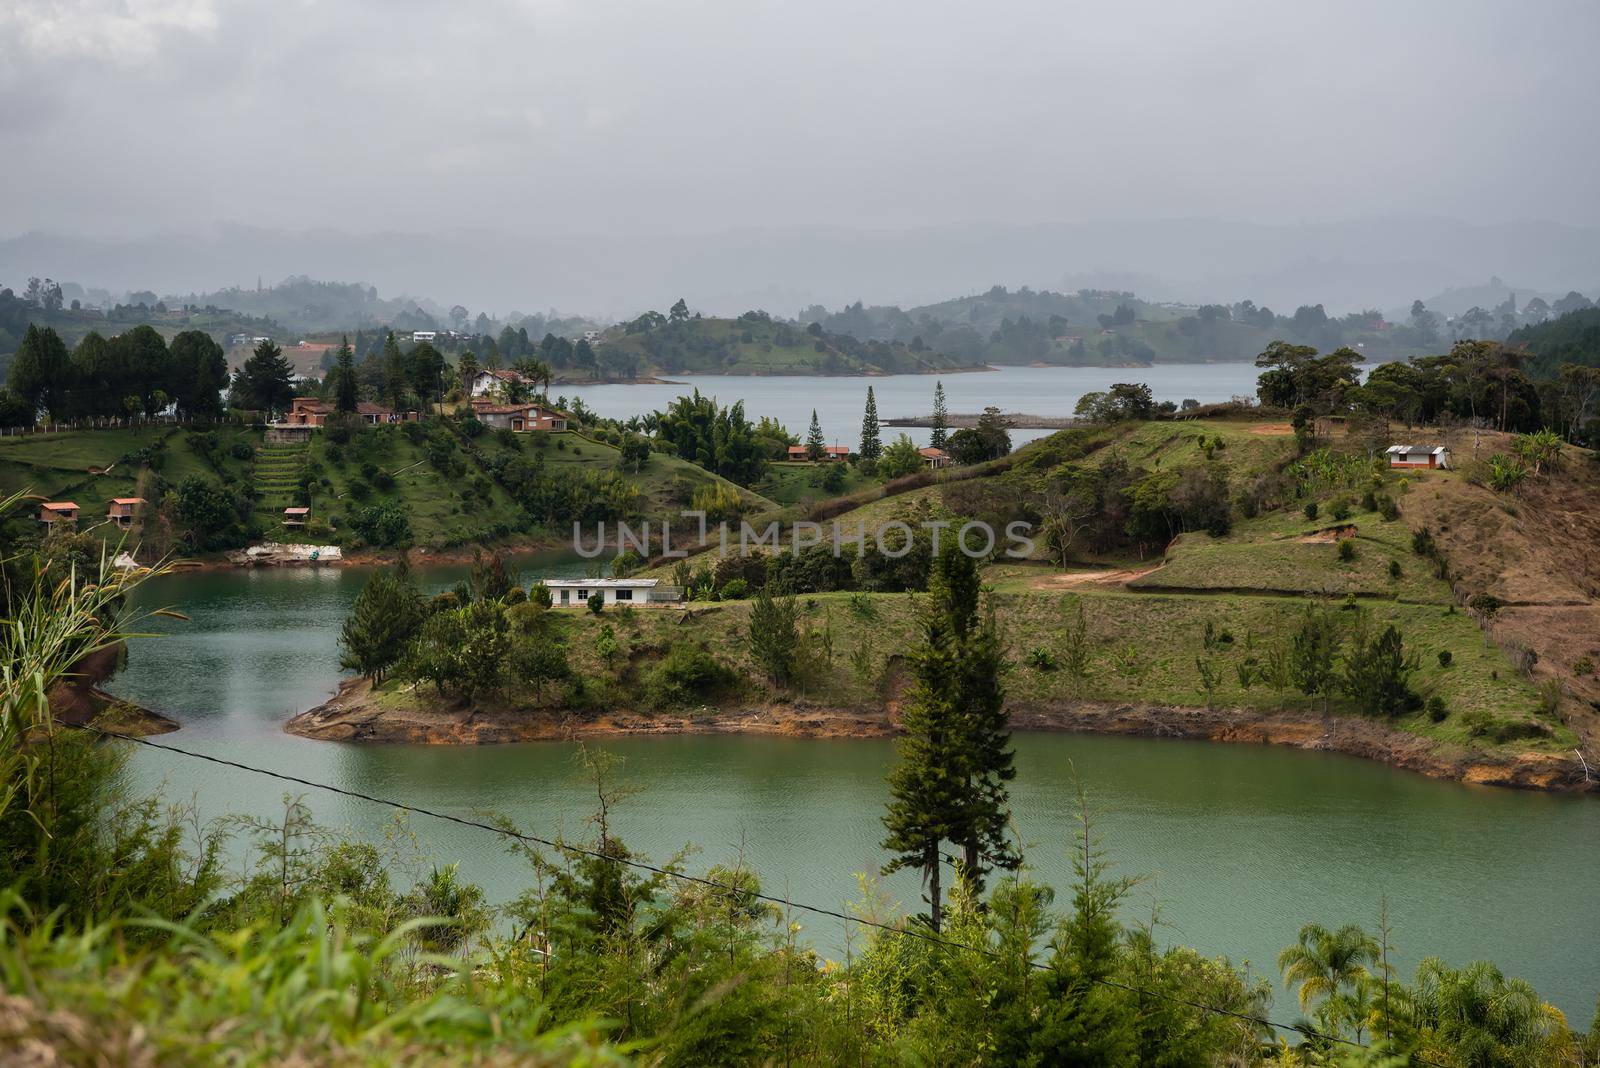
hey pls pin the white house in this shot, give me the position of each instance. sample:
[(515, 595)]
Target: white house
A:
[(1418, 456), (424, 335), (487, 382), (613, 590)]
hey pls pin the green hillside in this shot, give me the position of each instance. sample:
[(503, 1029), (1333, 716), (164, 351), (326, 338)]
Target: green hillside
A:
[(450, 481)]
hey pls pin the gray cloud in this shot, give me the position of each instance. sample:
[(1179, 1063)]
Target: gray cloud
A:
[(608, 119)]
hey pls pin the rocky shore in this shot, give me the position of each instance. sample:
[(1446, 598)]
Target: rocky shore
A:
[(353, 715)]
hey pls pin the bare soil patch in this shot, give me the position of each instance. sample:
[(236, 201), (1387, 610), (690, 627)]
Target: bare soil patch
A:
[(1275, 430), (1067, 580)]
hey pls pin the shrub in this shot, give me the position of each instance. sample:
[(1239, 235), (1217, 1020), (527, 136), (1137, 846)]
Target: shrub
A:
[(1369, 501), (1437, 712), (1485, 604), (240, 450), (688, 673), (1394, 569), (1388, 509), (734, 590), (1042, 660), (359, 489), (1340, 510), (1584, 665), (1311, 510), (1445, 656), (596, 603), (1347, 549), (1422, 543), (471, 427)]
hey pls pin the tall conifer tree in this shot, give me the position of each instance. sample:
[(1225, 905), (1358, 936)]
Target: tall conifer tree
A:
[(816, 445), (348, 395), (871, 447), (941, 418)]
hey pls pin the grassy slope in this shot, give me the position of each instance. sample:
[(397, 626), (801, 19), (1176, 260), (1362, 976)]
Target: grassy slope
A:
[(55, 466), (1146, 635)]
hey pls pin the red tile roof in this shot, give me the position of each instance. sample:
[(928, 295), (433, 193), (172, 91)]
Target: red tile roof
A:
[(62, 506)]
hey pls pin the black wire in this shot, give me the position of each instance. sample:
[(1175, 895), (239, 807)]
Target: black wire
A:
[(818, 910)]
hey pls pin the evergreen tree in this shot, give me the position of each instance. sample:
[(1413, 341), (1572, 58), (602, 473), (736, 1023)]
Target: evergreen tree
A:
[(347, 395), (395, 382), (816, 445), (488, 580), (953, 592), (41, 370), (380, 625), (941, 418), (1312, 649), (871, 447), (774, 635), (199, 374), (266, 381)]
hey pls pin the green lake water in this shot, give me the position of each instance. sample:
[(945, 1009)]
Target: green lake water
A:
[(1241, 844)]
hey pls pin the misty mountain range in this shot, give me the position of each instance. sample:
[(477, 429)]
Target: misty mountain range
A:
[(1380, 263)]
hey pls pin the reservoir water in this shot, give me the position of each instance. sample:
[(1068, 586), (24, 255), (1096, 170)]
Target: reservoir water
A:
[(1241, 845), (839, 402)]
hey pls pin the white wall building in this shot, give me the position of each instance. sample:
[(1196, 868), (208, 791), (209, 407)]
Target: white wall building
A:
[(566, 592)]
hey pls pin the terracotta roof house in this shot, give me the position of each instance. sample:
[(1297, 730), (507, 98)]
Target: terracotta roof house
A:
[(63, 512), (296, 516), (309, 411), (518, 417), (829, 453), (936, 457), (122, 509)]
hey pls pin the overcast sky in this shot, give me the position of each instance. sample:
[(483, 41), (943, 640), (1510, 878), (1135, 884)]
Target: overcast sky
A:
[(596, 116)]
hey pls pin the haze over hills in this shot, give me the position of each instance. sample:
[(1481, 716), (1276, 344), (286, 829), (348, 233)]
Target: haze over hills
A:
[(1364, 263)]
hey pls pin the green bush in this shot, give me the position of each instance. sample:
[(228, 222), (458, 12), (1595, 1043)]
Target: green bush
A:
[(1584, 665), (1445, 656), (1311, 510), (1042, 660), (734, 590), (1340, 510), (1389, 510), (1394, 569), (688, 674), (1347, 549), (1437, 712)]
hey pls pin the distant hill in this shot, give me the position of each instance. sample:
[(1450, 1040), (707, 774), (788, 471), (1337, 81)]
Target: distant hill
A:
[(1573, 338), (1110, 328), (757, 344)]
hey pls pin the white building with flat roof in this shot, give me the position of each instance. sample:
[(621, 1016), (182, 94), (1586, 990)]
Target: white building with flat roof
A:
[(565, 592)]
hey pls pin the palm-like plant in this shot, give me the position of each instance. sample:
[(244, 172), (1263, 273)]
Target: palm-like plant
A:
[(1477, 1018), (1327, 963)]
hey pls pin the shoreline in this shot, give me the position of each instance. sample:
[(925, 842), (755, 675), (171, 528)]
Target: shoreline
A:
[(349, 716)]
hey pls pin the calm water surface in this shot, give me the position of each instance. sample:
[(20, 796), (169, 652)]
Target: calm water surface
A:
[(1242, 844), (839, 402)]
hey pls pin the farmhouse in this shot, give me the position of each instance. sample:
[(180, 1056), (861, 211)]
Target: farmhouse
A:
[(309, 411), (518, 417), (830, 453), (296, 517), (1418, 456), (612, 591), (121, 510), (486, 383), (935, 456), (64, 513)]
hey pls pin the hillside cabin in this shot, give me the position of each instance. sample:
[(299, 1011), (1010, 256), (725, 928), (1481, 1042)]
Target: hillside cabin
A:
[(569, 592), (1418, 456), (488, 383), (830, 453), (309, 411), (518, 417), (295, 518), (935, 457), (122, 509), (58, 515)]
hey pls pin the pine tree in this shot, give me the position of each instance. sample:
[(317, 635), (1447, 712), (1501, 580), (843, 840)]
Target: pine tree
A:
[(774, 635), (266, 381), (394, 372), (347, 397), (954, 755), (871, 447), (941, 418), (954, 592), (816, 445), (380, 625)]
